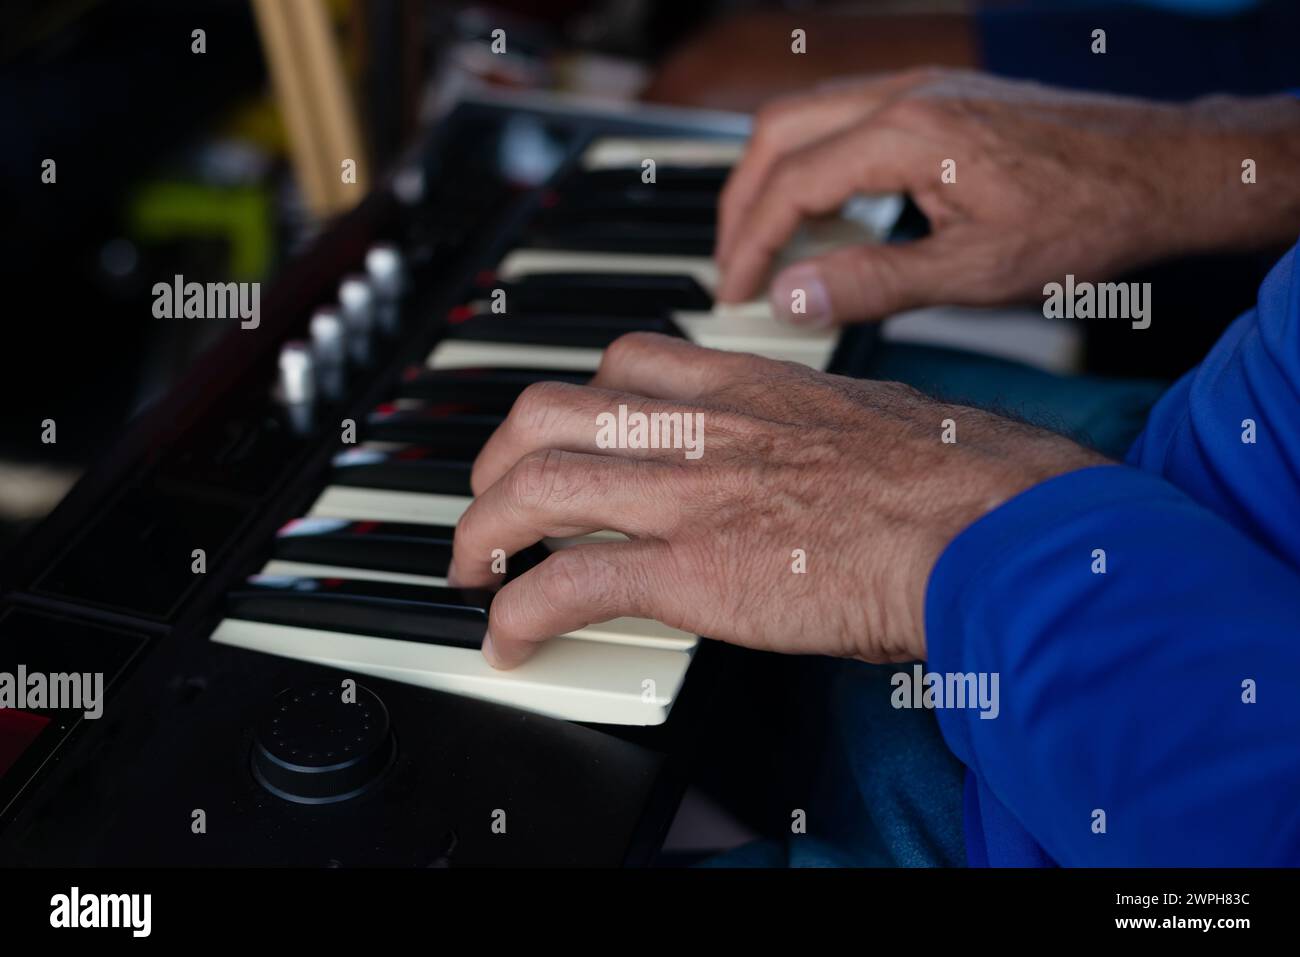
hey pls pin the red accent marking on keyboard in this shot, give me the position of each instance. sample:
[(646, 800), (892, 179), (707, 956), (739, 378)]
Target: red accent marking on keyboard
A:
[(485, 277), (18, 730), (460, 314), (438, 410), (364, 528)]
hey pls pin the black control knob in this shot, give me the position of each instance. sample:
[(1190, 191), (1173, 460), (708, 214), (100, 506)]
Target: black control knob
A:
[(316, 746)]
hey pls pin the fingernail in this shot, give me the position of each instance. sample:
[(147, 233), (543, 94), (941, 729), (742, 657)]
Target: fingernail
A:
[(490, 651), (798, 295)]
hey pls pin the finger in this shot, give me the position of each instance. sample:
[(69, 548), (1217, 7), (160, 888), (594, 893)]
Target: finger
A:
[(871, 282), (557, 494), (561, 415), (578, 587), (791, 123), (666, 367), (782, 128), (813, 181)]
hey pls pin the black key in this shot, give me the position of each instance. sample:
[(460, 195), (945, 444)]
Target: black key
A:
[(644, 204), (455, 435), (592, 332), (423, 613), (703, 179), (485, 390), (380, 546), (604, 293), (411, 468), (650, 239)]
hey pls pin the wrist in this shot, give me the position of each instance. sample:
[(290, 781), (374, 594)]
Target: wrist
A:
[(1004, 459)]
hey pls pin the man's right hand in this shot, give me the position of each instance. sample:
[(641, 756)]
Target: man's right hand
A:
[(1044, 182)]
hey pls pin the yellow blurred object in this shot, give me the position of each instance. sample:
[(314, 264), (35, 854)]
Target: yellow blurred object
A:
[(258, 121)]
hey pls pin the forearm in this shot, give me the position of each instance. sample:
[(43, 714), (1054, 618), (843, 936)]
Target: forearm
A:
[(1161, 691), (1234, 169)]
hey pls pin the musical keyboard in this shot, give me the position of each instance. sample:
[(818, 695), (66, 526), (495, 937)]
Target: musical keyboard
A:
[(319, 465), (559, 308)]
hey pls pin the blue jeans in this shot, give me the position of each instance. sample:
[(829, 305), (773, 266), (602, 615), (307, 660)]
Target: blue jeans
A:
[(889, 792)]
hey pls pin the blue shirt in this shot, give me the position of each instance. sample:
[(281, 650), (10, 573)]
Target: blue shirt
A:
[(1187, 49), (1150, 712)]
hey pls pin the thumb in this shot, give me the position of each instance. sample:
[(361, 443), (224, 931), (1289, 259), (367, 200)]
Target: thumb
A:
[(862, 283)]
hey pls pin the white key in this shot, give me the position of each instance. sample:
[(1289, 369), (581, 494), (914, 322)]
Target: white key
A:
[(814, 239), (629, 153), (572, 679), (381, 447), (384, 505), (751, 327), (528, 262), (279, 567), (641, 632), (740, 327), (468, 354), (424, 508)]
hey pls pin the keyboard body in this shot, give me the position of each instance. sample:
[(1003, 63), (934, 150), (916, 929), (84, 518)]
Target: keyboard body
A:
[(183, 766)]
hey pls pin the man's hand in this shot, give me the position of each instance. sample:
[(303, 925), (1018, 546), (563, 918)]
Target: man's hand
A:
[(852, 473), (1045, 182)]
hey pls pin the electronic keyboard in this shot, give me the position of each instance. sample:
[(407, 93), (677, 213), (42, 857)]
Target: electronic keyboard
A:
[(259, 566)]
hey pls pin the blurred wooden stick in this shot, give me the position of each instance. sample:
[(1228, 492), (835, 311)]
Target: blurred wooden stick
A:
[(341, 132), (314, 100)]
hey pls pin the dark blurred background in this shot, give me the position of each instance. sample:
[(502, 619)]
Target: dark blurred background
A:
[(170, 161)]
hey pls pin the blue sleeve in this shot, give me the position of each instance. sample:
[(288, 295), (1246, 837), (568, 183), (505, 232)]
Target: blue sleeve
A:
[(1186, 50), (1228, 433), (1164, 692)]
